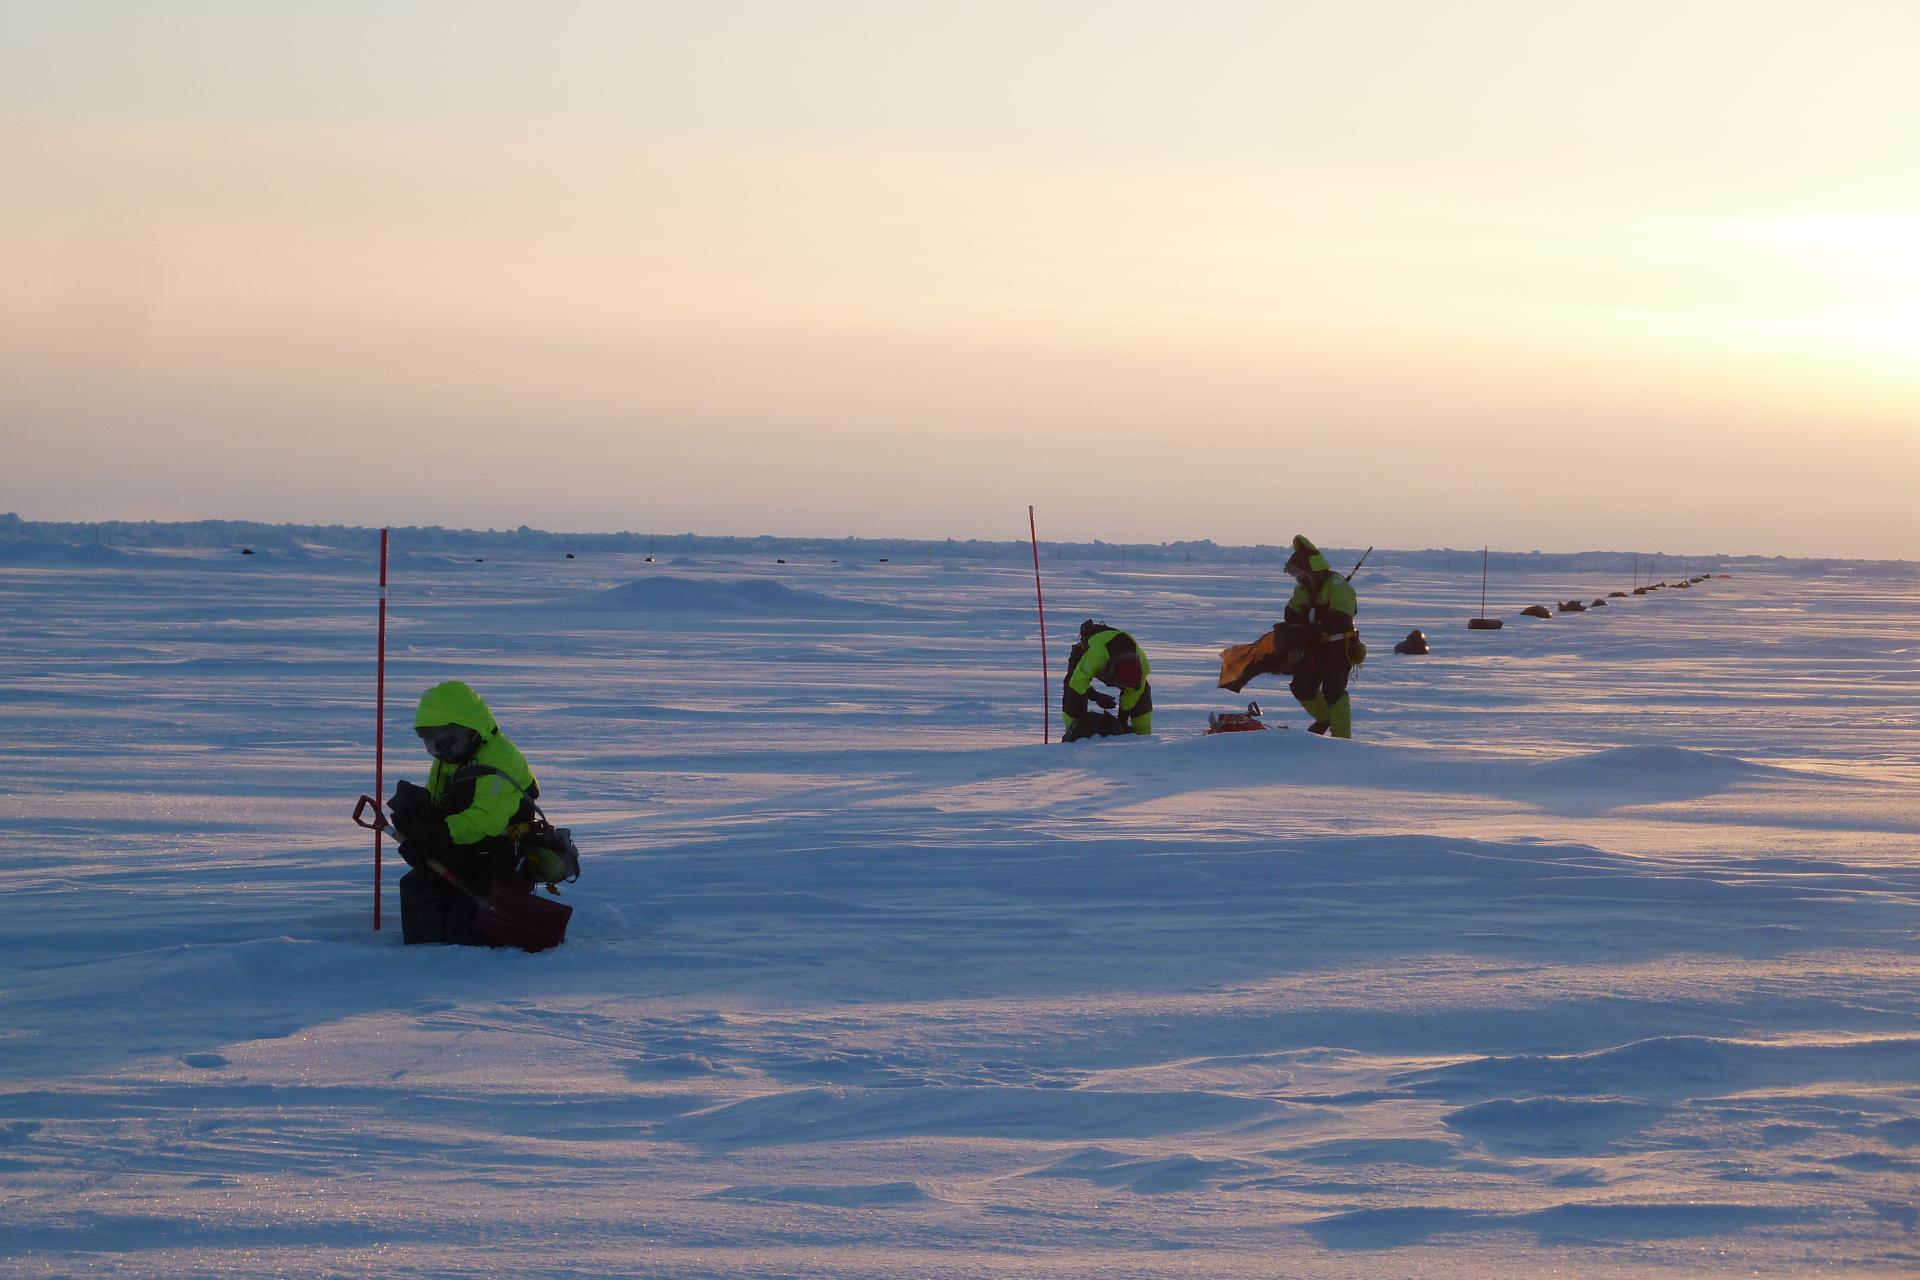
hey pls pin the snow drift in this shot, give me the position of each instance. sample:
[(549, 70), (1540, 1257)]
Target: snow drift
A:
[(668, 598)]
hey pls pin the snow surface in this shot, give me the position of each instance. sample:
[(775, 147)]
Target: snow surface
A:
[(1596, 953)]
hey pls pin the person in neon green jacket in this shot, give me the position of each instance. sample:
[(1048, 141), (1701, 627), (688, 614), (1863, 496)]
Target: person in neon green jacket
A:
[(479, 795), (1318, 629), (1112, 657)]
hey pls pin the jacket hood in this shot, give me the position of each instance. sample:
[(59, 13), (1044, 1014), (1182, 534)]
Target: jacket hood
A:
[(1304, 552), (453, 702)]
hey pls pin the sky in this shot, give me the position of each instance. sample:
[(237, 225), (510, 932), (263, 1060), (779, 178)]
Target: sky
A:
[(1534, 275)]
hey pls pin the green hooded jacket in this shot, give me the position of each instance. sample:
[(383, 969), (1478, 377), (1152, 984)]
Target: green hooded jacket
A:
[(1332, 603), (496, 803), (1100, 648)]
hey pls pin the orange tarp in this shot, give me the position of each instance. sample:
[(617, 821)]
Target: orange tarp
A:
[(1243, 662)]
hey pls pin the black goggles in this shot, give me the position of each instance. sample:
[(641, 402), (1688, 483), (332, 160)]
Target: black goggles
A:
[(443, 739)]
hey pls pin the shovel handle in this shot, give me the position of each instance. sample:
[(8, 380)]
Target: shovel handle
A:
[(379, 823), (479, 899), (376, 823)]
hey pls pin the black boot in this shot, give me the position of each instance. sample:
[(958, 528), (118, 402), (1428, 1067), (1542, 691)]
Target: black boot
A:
[(424, 903)]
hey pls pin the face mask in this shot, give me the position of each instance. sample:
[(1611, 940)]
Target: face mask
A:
[(445, 742)]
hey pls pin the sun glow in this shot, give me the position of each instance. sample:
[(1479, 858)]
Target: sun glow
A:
[(258, 244), (1859, 277), (1883, 240)]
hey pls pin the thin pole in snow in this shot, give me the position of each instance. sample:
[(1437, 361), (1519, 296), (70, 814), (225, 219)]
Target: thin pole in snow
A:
[(1046, 678), (380, 723)]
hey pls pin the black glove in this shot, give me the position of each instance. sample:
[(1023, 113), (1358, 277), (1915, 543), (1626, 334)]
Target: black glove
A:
[(1105, 701), (423, 838), (423, 833), (409, 805)]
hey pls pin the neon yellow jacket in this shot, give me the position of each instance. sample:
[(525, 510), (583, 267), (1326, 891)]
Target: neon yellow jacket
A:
[(1331, 605), (495, 804), (1098, 655)]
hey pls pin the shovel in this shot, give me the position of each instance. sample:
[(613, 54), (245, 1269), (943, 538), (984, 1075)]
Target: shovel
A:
[(507, 914)]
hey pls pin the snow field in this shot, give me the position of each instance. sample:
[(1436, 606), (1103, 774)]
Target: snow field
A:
[(1595, 952)]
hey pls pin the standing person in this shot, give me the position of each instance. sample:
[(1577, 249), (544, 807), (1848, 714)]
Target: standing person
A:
[(1112, 657), (1318, 631), (471, 815)]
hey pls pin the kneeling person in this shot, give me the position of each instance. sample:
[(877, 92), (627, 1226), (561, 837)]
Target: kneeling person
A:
[(1112, 657), (479, 797)]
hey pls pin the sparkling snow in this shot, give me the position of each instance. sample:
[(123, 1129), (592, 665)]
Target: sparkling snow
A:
[(1598, 951)]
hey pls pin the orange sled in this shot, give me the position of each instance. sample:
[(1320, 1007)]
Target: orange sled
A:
[(1235, 721)]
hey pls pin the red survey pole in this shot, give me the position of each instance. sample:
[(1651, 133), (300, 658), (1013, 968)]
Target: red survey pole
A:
[(380, 723), (1046, 680)]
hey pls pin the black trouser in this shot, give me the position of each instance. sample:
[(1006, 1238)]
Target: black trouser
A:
[(431, 910), (1094, 724), (1082, 723), (1320, 686), (1327, 680)]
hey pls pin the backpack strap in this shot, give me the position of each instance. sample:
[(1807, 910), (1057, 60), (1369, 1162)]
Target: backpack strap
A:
[(502, 773), (544, 827)]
